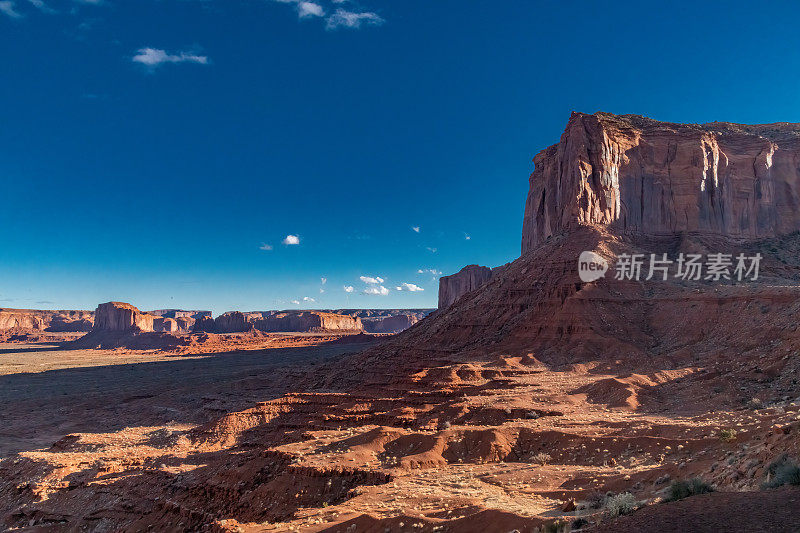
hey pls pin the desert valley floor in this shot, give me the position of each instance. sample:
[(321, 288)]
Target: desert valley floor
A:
[(121, 439)]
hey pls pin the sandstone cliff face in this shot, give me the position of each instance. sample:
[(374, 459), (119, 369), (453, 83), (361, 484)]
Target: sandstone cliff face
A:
[(45, 320), (389, 324), (121, 317), (469, 278), (309, 321), (166, 325), (179, 313), (631, 173), (233, 322)]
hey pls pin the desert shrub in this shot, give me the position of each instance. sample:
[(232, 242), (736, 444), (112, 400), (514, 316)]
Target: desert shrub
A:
[(541, 458), (579, 523), (620, 504), (556, 526), (782, 471), (727, 435), (596, 500), (685, 488)]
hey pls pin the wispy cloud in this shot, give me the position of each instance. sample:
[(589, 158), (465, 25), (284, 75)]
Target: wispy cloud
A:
[(323, 280), (266, 247), (432, 271), (154, 57), (308, 299), (380, 290), (291, 240), (369, 279), (415, 229), (410, 287), (309, 9), (296, 302), (343, 18), (8, 8), (349, 288), (467, 237), (432, 250), (41, 6)]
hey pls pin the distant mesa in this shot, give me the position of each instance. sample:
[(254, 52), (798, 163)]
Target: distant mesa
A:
[(119, 316), (279, 321), (25, 322), (469, 278)]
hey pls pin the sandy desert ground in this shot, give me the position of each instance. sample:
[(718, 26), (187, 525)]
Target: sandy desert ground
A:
[(132, 440)]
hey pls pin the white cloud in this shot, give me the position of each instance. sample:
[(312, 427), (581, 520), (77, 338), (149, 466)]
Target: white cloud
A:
[(291, 239), (369, 279), (295, 302), (266, 247), (343, 18), (349, 288), (467, 237), (380, 290), (308, 299), (41, 6), (323, 280), (153, 57), (432, 250), (309, 9), (410, 287), (415, 229), (7, 8), (432, 271), (322, 291)]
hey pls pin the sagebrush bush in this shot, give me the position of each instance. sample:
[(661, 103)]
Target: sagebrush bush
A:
[(782, 471), (620, 504), (727, 435), (685, 488), (541, 458)]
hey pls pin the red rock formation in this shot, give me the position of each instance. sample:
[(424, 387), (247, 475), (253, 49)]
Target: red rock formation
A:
[(389, 324), (636, 174), (469, 278), (45, 320), (185, 324), (204, 324), (166, 325), (119, 316), (233, 322), (311, 321)]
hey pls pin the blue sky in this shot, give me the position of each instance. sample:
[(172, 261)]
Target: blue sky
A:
[(151, 150)]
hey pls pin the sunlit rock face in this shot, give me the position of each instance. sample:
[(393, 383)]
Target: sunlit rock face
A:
[(119, 316), (632, 173)]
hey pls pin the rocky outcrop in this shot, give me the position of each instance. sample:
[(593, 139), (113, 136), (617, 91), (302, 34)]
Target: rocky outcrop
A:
[(45, 320), (469, 278), (233, 322), (166, 325), (633, 174), (308, 321), (185, 324), (180, 313), (204, 324), (121, 317), (389, 324)]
